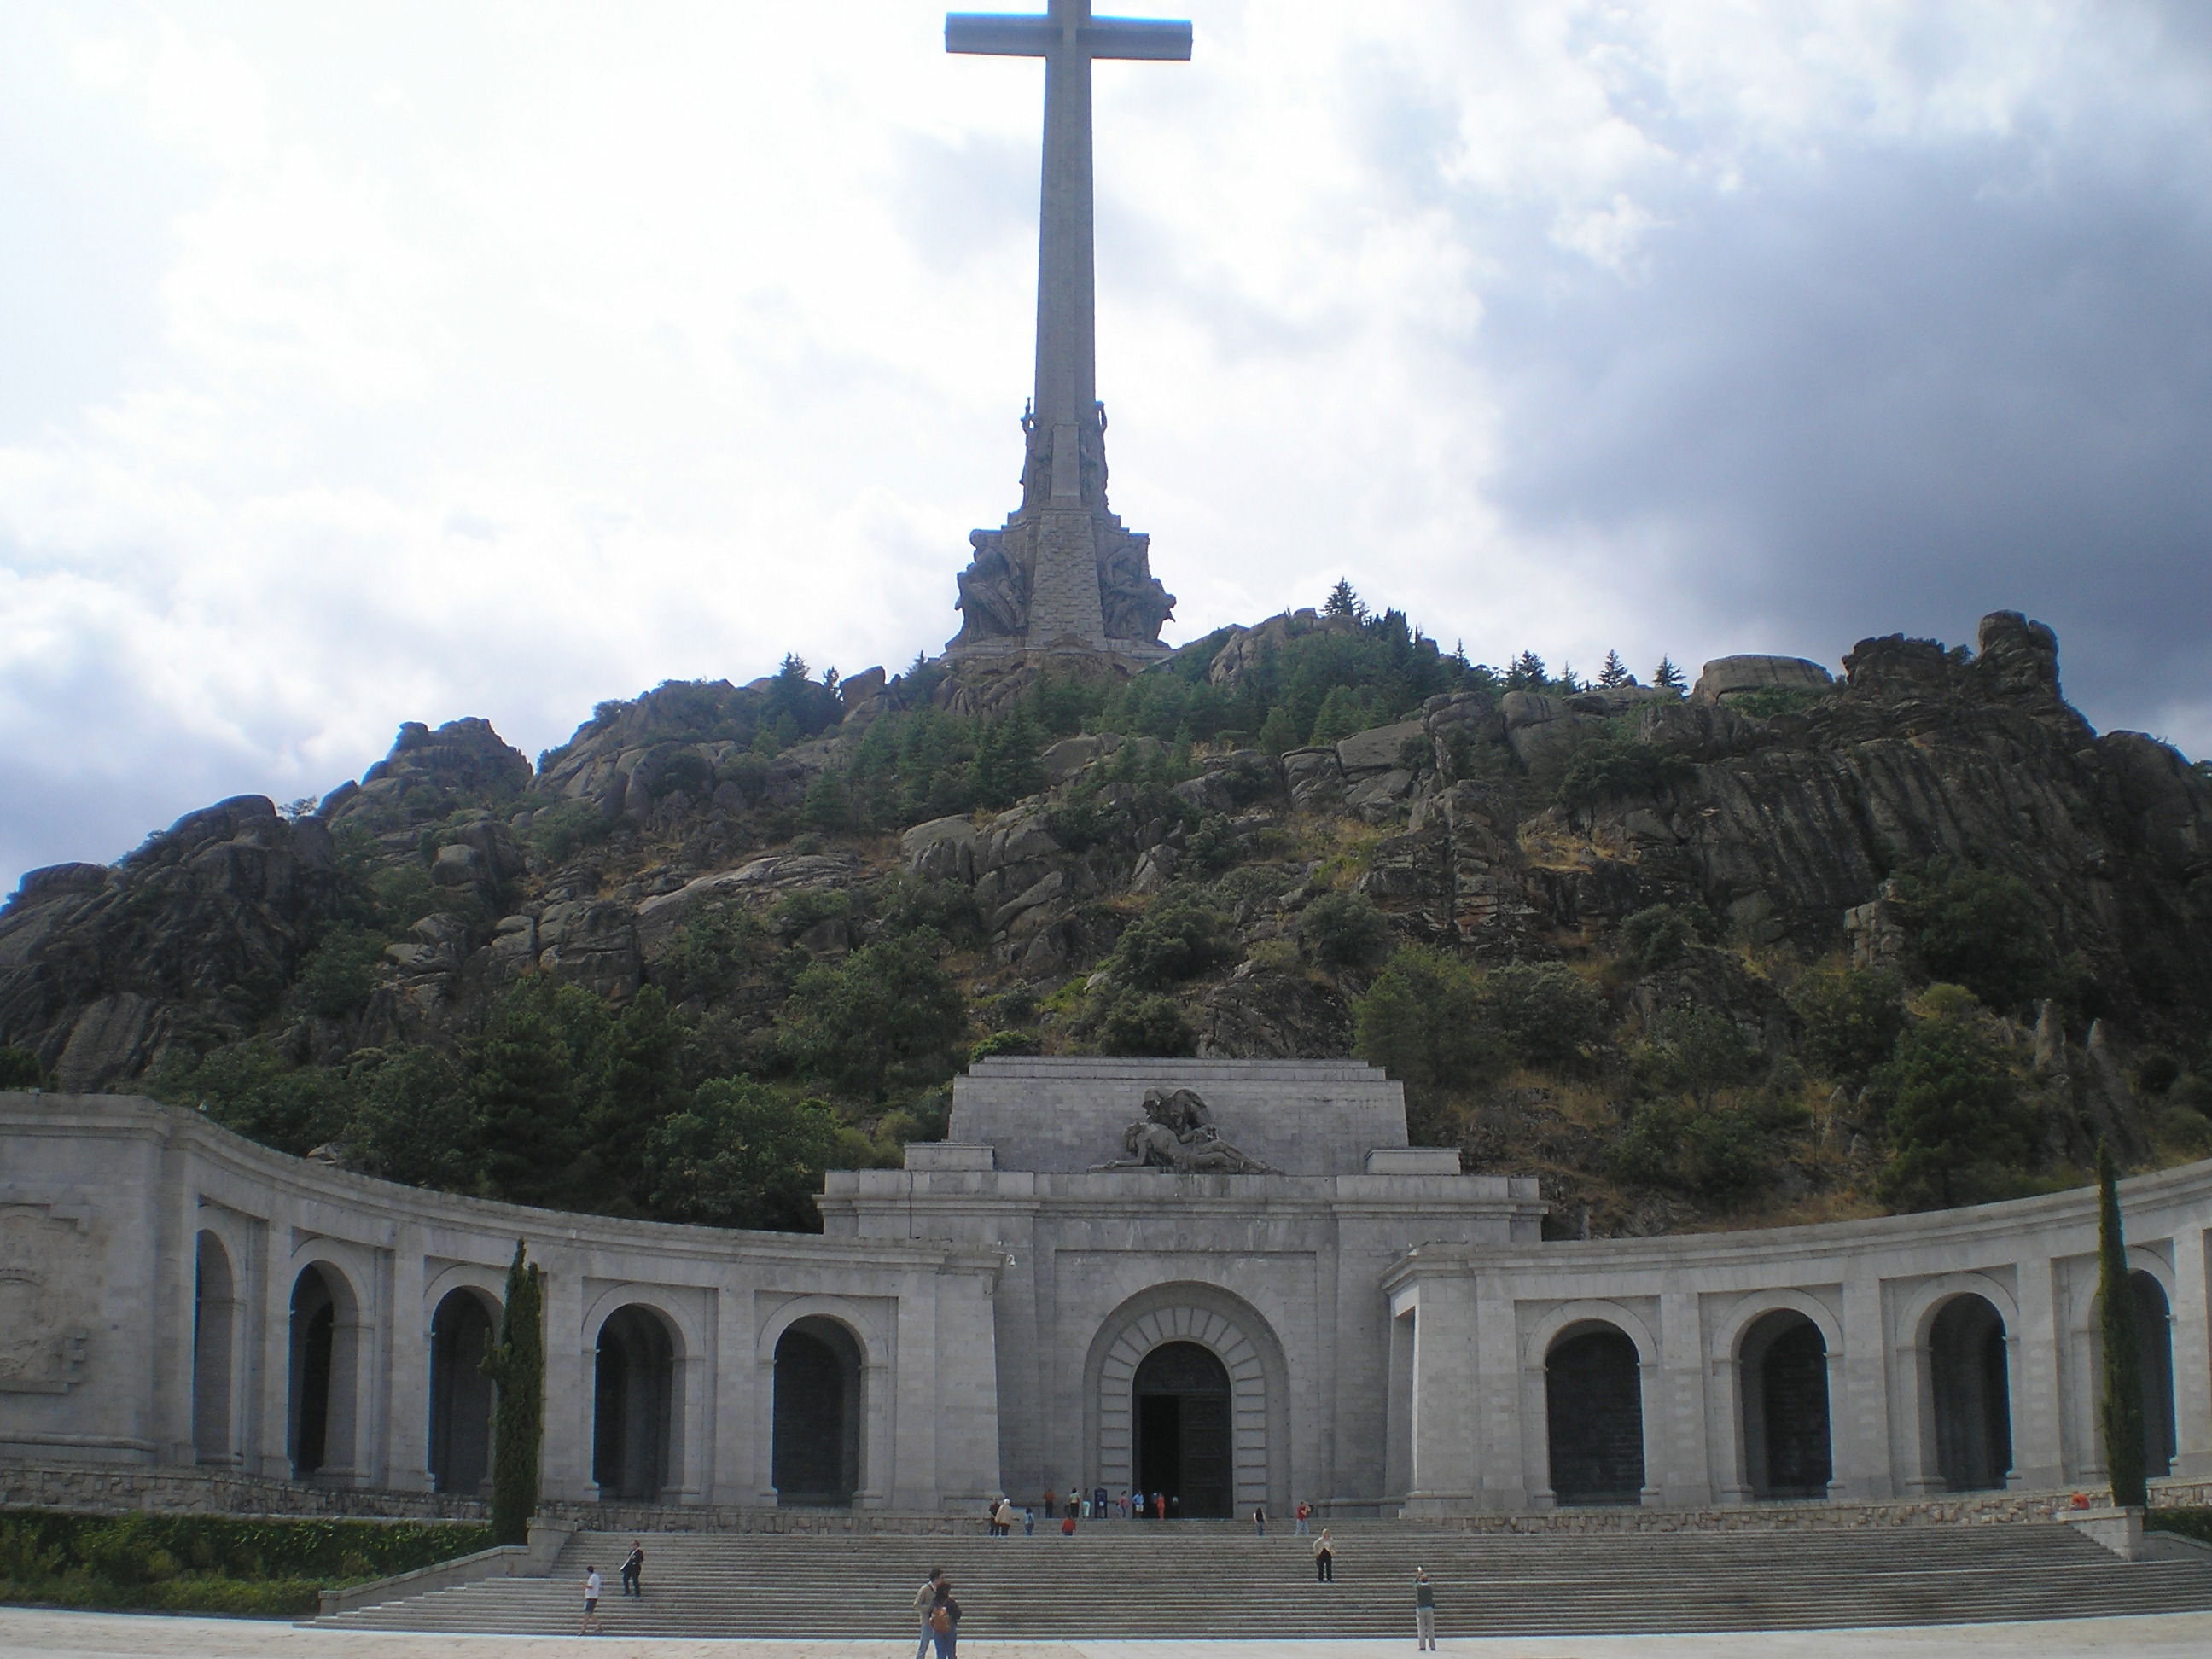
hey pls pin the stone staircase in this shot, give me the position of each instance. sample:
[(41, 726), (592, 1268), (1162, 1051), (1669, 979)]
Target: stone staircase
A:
[(1178, 1579)]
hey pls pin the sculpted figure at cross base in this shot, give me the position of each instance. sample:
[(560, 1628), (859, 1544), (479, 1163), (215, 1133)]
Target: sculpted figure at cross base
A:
[(1177, 1133)]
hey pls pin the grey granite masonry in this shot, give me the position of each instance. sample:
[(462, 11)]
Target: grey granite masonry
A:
[(1362, 1327)]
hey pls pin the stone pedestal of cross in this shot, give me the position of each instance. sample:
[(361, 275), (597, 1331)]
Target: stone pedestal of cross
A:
[(1062, 574)]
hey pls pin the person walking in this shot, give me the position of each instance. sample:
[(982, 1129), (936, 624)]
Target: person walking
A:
[(1028, 1523), (633, 1568), (1260, 1521), (1159, 1506), (591, 1626), (1304, 1514), (1324, 1549), (1425, 1612), (944, 1621), (924, 1600), (1098, 1496), (1051, 1501)]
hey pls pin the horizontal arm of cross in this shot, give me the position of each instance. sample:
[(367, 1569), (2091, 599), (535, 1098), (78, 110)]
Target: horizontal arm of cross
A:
[(994, 34)]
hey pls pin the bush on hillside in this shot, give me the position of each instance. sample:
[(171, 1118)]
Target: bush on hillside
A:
[(1345, 930)]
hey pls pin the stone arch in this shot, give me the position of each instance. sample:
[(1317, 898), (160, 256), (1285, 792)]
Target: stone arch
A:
[(1235, 1333), (1594, 1427), (463, 1327), (817, 1411), (1964, 1343), (322, 1412), (1784, 1364), (637, 1418), (217, 1320)]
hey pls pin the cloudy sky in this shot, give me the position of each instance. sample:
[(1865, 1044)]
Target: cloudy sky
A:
[(368, 363)]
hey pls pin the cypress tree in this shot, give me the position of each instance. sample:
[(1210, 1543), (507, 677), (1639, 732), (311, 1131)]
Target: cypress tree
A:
[(2122, 1405), (517, 1367)]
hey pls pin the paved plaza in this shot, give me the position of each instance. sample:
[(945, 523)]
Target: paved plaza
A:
[(30, 1633)]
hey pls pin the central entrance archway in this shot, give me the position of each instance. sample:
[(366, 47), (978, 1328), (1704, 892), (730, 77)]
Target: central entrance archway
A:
[(1180, 1405), (1970, 1392), (460, 1395), (1593, 1404), (634, 1406)]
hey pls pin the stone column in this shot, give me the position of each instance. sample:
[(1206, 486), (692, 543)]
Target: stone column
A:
[(566, 1471), (2036, 1353), (1866, 1463), (407, 1389), (1499, 1421), (2192, 1356), (1682, 1481), (1724, 1432)]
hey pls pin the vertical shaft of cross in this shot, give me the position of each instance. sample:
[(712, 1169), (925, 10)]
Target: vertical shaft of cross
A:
[(1064, 574), (1066, 340)]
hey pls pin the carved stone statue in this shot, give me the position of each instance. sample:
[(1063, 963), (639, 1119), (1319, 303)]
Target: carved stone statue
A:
[(995, 590), (1135, 601), (1177, 1133)]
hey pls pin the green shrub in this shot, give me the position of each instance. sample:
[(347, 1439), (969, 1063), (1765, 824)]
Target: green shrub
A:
[(1545, 1013), (1958, 1132), (337, 977), (557, 834), (2192, 1520), (1612, 768), (1852, 1017), (888, 1015), (1141, 1022), (1698, 1053), (744, 1155), (1768, 701), (1005, 1042), (1176, 939), (1423, 1021), (2157, 1072), (1660, 935), (20, 1069), (1979, 928), (1345, 930)]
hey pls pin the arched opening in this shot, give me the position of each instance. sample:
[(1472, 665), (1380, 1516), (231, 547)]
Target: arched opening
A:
[(214, 1328), (325, 1339), (1782, 1370), (633, 1404), (815, 1448), (2154, 1349), (1594, 1408), (1180, 1408), (460, 1393), (1971, 1394)]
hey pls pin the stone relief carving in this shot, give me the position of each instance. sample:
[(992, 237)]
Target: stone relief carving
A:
[(42, 1284), (1177, 1133)]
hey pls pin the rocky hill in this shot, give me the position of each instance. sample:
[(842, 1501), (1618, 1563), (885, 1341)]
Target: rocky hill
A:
[(1783, 945)]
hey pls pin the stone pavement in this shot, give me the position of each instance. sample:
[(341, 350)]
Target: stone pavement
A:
[(33, 1633)]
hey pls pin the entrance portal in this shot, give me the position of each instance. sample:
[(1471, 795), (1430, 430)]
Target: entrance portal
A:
[(1594, 1404), (1785, 1370), (460, 1395), (1181, 1399), (2154, 1350), (633, 1403), (1971, 1395), (815, 1450)]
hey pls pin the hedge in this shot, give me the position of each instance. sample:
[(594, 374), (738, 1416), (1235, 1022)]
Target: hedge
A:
[(210, 1564)]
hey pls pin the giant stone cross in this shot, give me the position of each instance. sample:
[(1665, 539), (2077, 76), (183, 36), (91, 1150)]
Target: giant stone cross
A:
[(1062, 575)]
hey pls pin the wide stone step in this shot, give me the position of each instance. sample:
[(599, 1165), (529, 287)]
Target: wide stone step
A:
[(1160, 1583)]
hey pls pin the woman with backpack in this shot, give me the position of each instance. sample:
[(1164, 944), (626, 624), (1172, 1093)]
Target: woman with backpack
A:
[(944, 1621)]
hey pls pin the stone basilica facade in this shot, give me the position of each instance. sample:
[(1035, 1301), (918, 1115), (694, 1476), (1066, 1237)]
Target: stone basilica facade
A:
[(1233, 1282)]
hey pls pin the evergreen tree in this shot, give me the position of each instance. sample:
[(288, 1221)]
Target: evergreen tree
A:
[(1526, 673), (827, 805), (2122, 1408), (1568, 681), (1279, 732), (529, 1110), (516, 1366), (1343, 602), (1339, 715), (1615, 673), (1668, 677), (1956, 1124)]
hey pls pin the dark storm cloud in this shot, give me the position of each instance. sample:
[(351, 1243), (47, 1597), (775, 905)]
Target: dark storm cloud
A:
[(1892, 389)]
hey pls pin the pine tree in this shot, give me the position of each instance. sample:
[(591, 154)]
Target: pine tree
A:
[(1668, 677), (1567, 679), (516, 1366), (1615, 673), (1279, 730), (1527, 673), (1343, 602), (2122, 1409)]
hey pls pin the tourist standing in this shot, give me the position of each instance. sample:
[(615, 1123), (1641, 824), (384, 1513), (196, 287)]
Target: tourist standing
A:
[(1159, 1506), (944, 1621), (1260, 1521), (1304, 1514), (633, 1568), (1324, 1548), (1028, 1523), (1051, 1502), (1003, 1516), (1099, 1494), (591, 1625), (1425, 1612), (924, 1600), (1123, 1503)]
